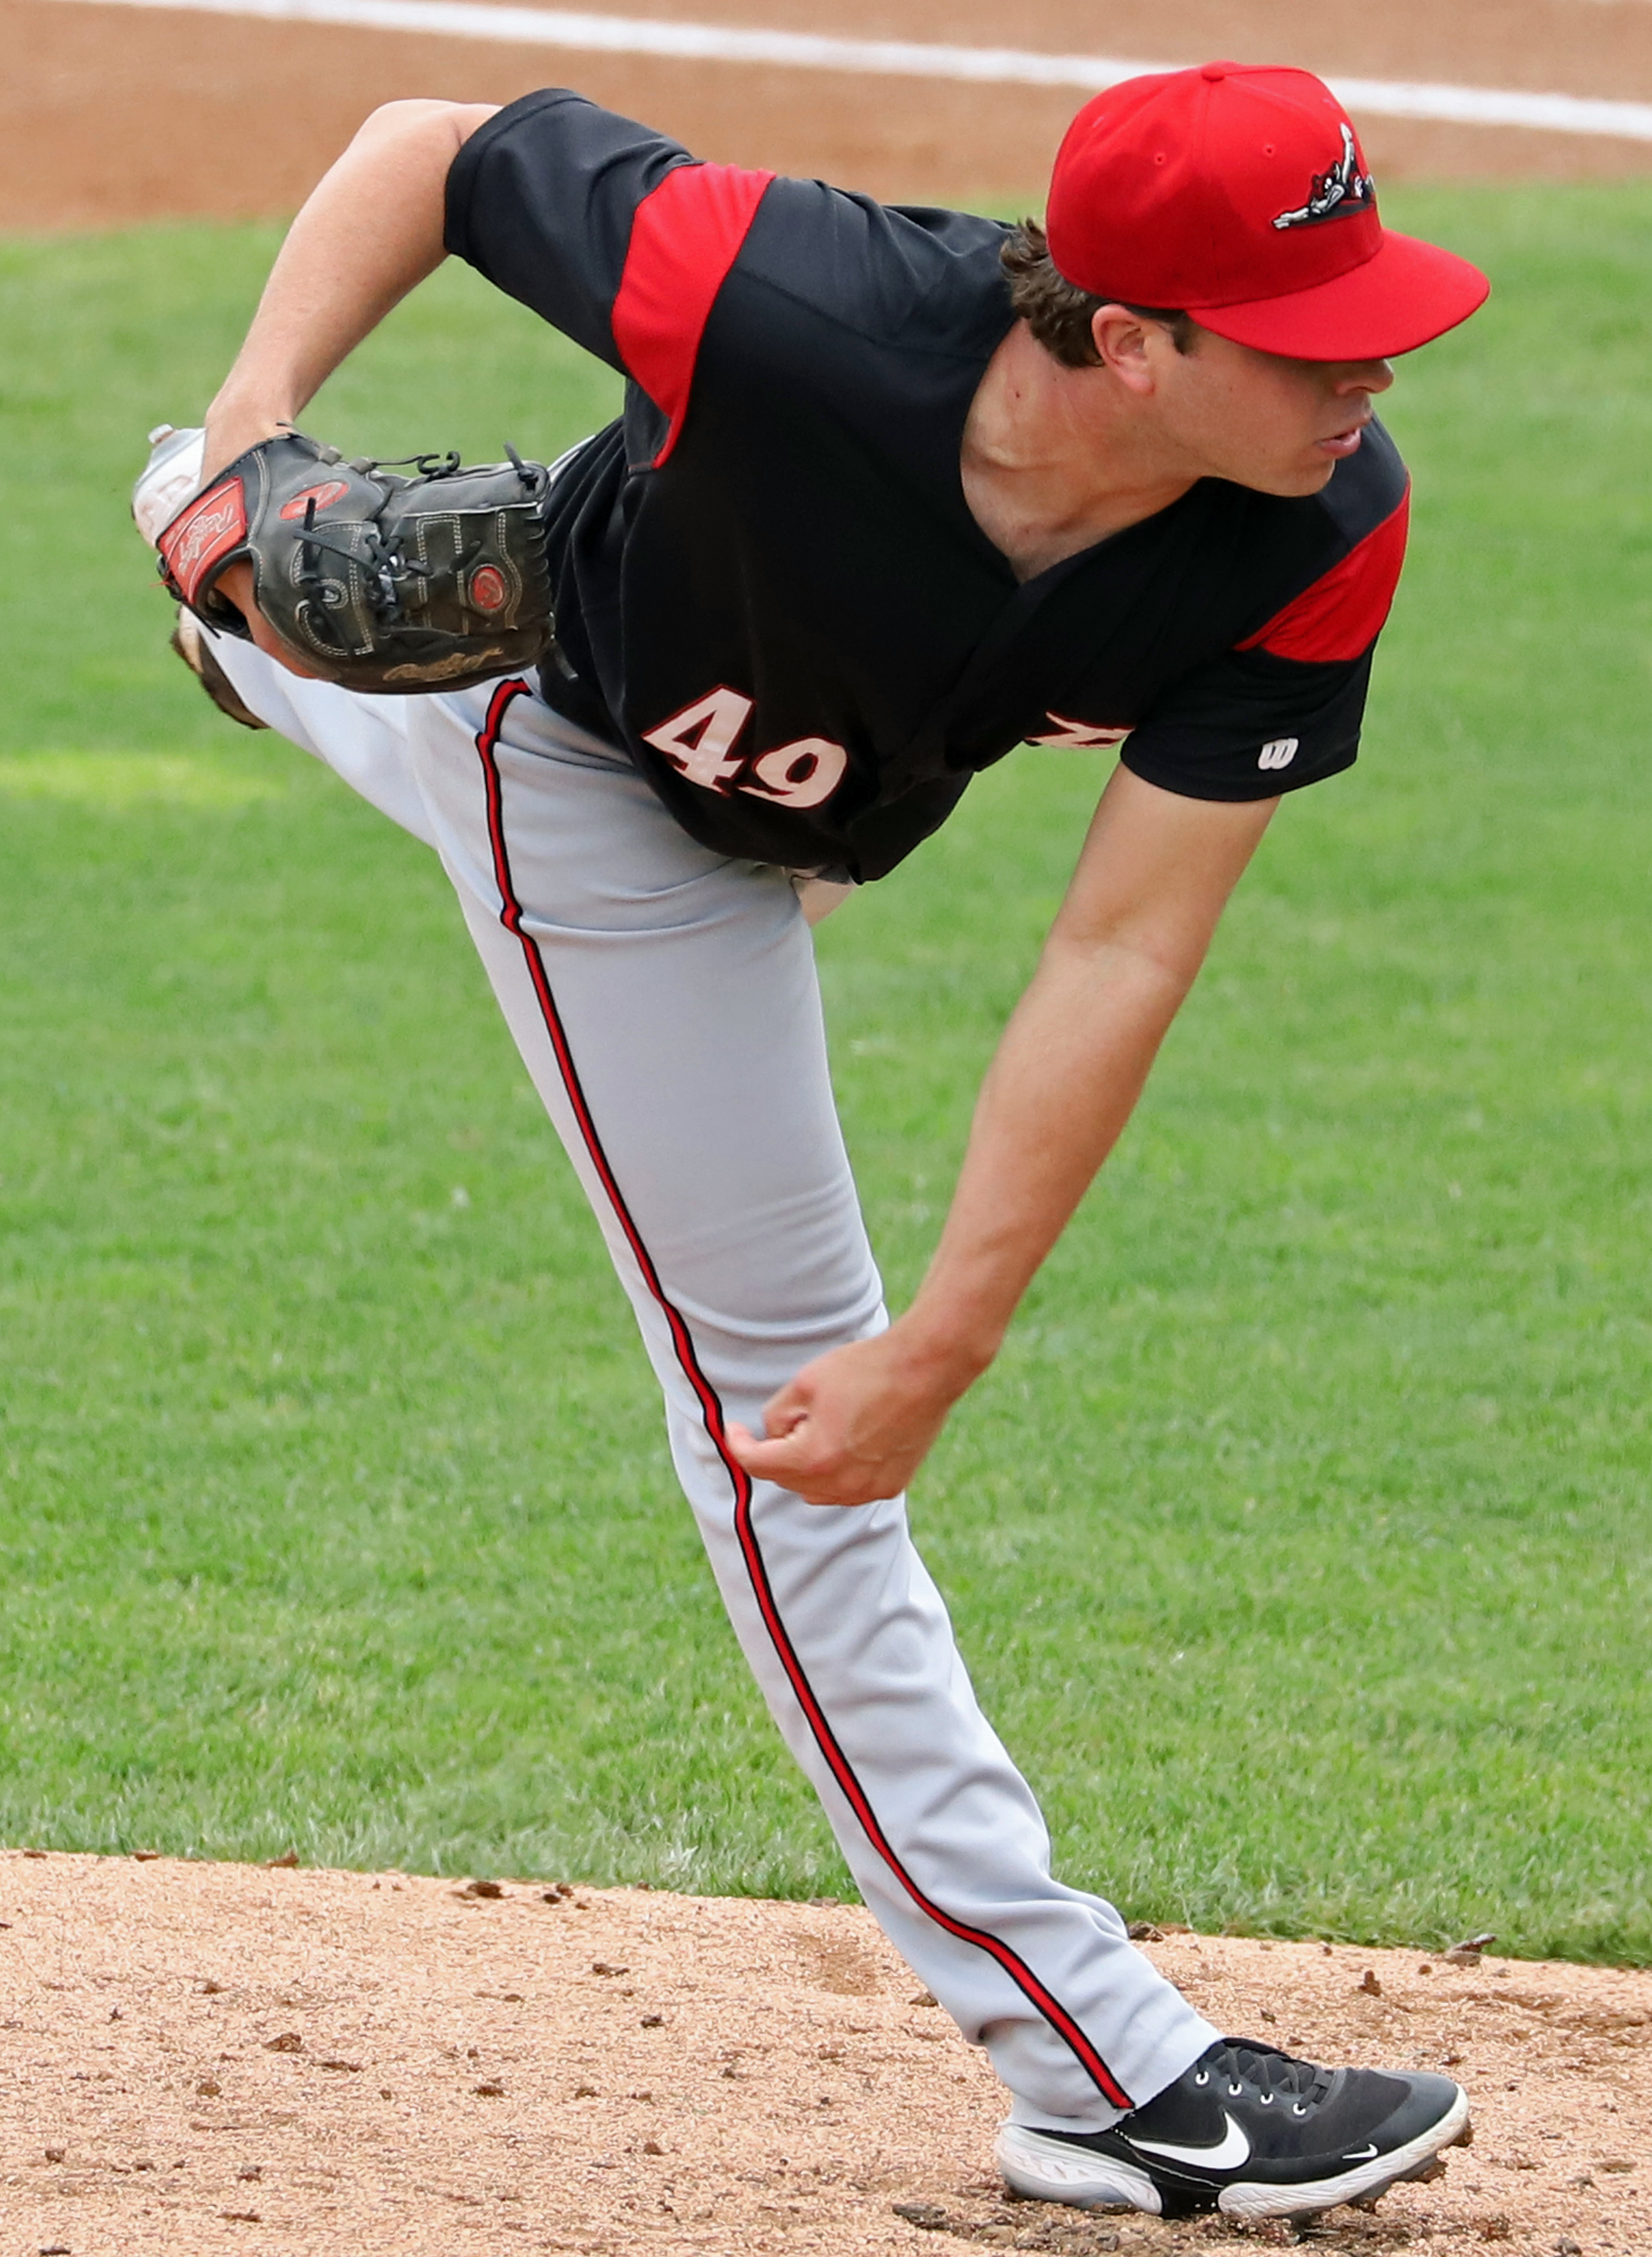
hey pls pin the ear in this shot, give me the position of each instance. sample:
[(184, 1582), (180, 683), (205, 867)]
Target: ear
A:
[(1127, 345)]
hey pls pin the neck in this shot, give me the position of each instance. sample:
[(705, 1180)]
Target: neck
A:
[(1056, 459)]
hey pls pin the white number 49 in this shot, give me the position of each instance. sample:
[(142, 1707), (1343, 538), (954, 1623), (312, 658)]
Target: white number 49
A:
[(700, 741)]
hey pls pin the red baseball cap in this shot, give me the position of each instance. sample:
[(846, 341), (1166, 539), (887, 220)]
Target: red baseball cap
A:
[(1240, 196)]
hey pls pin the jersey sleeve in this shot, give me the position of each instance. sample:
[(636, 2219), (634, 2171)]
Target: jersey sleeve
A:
[(609, 232), (1284, 707)]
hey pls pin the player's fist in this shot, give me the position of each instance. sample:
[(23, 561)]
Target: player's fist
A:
[(228, 437), (852, 1428)]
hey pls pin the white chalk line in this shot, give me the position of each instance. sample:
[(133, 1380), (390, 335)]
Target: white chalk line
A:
[(644, 35)]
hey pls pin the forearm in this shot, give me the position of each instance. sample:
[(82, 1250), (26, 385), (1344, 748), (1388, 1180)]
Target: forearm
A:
[(1055, 1099), (369, 232), (1126, 947)]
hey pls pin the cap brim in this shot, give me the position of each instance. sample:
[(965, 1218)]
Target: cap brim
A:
[(1408, 294)]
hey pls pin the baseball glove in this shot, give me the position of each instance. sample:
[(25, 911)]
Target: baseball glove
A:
[(381, 582)]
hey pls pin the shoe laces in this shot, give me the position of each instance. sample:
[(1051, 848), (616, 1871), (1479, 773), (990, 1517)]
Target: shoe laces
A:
[(1271, 2074)]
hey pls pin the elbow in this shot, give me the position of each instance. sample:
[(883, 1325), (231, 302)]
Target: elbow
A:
[(1163, 964), (418, 121)]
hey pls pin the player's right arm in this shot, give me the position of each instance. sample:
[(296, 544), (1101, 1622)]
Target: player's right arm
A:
[(371, 231)]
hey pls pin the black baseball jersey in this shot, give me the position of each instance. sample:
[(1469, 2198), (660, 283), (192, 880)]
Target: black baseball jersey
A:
[(769, 586)]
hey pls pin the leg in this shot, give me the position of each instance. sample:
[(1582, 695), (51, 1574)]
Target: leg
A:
[(364, 739), (664, 1001)]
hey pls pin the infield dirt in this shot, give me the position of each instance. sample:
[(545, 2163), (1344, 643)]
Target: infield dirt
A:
[(112, 113), (207, 2057)]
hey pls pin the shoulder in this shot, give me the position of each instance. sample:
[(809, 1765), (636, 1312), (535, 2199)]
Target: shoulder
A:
[(903, 271), (1351, 563), (1366, 490)]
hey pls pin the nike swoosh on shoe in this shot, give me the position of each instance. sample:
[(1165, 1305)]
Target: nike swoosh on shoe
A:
[(1228, 2151)]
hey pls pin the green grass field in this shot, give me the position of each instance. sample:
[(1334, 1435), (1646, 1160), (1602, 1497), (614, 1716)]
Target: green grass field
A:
[(1300, 1539)]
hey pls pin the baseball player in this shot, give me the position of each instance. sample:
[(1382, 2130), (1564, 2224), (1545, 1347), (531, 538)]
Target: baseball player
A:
[(893, 491)]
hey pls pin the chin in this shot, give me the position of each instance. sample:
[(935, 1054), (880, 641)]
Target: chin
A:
[(1311, 479), (1288, 484)]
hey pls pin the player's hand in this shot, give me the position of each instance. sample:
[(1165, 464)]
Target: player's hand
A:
[(853, 1426), (236, 586), (228, 438)]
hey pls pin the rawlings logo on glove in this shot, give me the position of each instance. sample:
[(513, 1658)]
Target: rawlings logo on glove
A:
[(378, 581)]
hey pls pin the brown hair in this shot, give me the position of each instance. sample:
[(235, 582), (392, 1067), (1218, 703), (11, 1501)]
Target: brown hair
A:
[(1058, 312)]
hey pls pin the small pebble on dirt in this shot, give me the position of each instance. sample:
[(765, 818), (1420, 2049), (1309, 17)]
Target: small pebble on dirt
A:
[(286, 1863), (1369, 1983), (490, 2091), (602, 1967), (653, 2021), (289, 2042)]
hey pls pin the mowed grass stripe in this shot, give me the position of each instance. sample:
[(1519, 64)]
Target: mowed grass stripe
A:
[(1299, 1540)]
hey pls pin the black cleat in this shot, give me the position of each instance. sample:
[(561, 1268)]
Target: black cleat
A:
[(1251, 2131)]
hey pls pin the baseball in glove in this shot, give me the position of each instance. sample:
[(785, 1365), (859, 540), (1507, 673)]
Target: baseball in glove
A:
[(382, 581)]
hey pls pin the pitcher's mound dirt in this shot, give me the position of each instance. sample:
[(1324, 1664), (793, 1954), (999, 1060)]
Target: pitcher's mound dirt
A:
[(207, 2057)]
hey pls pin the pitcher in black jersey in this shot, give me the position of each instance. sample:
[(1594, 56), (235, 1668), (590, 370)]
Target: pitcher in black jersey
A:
[(893, 492)]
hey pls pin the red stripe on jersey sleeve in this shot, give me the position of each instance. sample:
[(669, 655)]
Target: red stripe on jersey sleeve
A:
[(1342, 614), (686, 236)]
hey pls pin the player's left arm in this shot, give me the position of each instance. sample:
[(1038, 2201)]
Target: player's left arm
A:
[(1155, 875), (1175, 828)]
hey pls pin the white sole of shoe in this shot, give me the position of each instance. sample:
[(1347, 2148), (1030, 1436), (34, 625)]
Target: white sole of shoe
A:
[(168, 480), (1049, 2170), (1255, 2200)]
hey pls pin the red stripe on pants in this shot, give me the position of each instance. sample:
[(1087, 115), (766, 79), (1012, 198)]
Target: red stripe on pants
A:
[(711, 1412)]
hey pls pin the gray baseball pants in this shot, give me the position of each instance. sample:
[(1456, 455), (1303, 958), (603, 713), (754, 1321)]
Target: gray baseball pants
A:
[(664, 1001)]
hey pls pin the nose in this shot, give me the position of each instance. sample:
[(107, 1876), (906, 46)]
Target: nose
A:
[(1368, 376)]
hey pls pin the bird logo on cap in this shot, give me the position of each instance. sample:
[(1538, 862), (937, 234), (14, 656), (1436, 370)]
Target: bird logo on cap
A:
[(1345, 189)]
